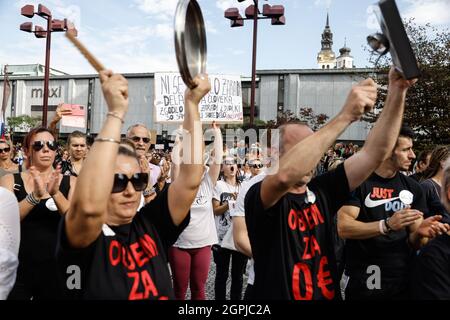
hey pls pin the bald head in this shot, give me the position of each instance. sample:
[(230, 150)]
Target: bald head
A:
[(291, 134)]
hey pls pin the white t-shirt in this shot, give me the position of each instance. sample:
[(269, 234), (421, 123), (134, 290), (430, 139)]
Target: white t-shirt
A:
[(201, 231), (9, 241), (224, 192), (239, 211)]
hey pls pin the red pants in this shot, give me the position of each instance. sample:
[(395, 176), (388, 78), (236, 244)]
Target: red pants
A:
[(190, 267)]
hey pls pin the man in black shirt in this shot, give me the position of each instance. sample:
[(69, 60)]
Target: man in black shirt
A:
[(382, 225), (431, 275), (289, 214)]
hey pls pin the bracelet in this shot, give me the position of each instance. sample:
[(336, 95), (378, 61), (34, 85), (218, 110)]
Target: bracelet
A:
[(31, 199), (115, 115), (387, 225), (107, 140), (381, 227)]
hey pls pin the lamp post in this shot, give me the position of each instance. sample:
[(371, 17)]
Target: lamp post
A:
[(252, 12), (53, 25)]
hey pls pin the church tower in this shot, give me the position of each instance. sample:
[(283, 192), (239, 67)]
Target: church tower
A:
[(326, 59), (345, 60)]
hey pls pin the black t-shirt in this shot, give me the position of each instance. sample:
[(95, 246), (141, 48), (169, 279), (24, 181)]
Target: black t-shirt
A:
[(292, 242), (379, 198), (433, 198), (127, 261), (431, 276)]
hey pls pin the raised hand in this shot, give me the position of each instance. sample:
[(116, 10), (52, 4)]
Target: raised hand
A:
[(396, 79), (62, 111), (360, 100), (115, 91), (202, 88)]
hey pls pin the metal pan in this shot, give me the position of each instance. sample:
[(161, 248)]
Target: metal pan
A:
[(190, 41)]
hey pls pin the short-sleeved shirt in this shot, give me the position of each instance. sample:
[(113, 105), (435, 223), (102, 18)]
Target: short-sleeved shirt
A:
[(124, 262), (224, 192), (432, 193), (292, 242), (379, 198)]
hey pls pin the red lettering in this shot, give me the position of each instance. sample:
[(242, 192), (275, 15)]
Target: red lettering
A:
[(148, 246), (301, 268), (301, 222), (376, 193), (389, 193), (381, 193), (316, 215), (138, 254), (307, 218), (306, 255), (149, 286), (134, 295), (292, 219), (314, 246), (324, 279), (114, 252), (127, 259)]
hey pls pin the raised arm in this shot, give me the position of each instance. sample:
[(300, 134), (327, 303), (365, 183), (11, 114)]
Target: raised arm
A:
[(182, 192), (303, 157), (87, 212), (381, 139)]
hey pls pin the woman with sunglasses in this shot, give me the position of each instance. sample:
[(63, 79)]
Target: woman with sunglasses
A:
[(6, 164), (43, 195), (119, 253)]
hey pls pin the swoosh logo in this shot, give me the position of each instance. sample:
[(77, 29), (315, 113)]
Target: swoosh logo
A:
[(375, 203)]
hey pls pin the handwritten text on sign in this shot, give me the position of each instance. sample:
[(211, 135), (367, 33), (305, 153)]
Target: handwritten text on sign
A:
[(222, 104)]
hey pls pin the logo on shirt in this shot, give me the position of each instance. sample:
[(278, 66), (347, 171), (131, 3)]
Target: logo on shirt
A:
[(405, 198)]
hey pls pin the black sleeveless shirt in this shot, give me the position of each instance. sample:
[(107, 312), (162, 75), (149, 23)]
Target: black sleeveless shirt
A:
[(36, 275)]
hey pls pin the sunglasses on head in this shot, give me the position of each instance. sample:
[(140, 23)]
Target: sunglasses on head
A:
[(5, 150), (138, 180), (137, 139), (38, 145)]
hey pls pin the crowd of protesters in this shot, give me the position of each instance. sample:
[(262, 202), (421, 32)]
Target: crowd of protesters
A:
[(140, 223)]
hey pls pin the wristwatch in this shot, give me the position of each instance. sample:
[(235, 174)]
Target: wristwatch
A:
[(389, 229)]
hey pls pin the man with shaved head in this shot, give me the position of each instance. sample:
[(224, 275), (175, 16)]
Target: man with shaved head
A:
[(289, 215)]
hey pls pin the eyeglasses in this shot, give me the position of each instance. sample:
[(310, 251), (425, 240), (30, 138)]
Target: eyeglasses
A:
[(38, 145), (229, 163), (137, 139), (5, 150), (138, 180), (257, 165)]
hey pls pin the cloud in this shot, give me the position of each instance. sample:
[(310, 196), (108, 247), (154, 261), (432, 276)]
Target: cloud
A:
[(436, 12), (161, 9), (225, 4), (323, 3)]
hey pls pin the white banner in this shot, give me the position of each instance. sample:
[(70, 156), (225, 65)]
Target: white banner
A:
[(222, 104)]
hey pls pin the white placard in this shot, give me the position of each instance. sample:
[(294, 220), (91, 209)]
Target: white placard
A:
[(159, 146), (222, 104)]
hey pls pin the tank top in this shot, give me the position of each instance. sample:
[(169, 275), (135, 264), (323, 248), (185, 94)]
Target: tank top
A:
[(37, 273)]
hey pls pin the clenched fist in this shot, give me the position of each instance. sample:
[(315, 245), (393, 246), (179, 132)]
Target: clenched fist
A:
[(360, 100)]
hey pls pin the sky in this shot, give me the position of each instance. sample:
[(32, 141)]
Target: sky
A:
[(137, 35)]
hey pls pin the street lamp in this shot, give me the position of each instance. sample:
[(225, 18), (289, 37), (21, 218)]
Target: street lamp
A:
[(252, 12), (53, 25)]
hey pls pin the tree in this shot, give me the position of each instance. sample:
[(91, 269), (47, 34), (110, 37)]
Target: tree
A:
[(305, 114), (23, 123), (427, 103)]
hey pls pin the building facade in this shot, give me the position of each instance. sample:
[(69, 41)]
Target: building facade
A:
[(325, 91)]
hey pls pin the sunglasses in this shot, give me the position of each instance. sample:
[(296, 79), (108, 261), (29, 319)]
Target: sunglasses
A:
[(6, 150), (138, 180), (257, 165), (229, 163), (137, 139), (38, 145)]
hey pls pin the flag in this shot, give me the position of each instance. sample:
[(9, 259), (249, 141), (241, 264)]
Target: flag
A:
[(6, 93)]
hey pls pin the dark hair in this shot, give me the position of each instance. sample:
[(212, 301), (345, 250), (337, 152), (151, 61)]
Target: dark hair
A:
[(423, 155), (126, 148), (75, 134), (31, 134), (439, 154), (407, 132)]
